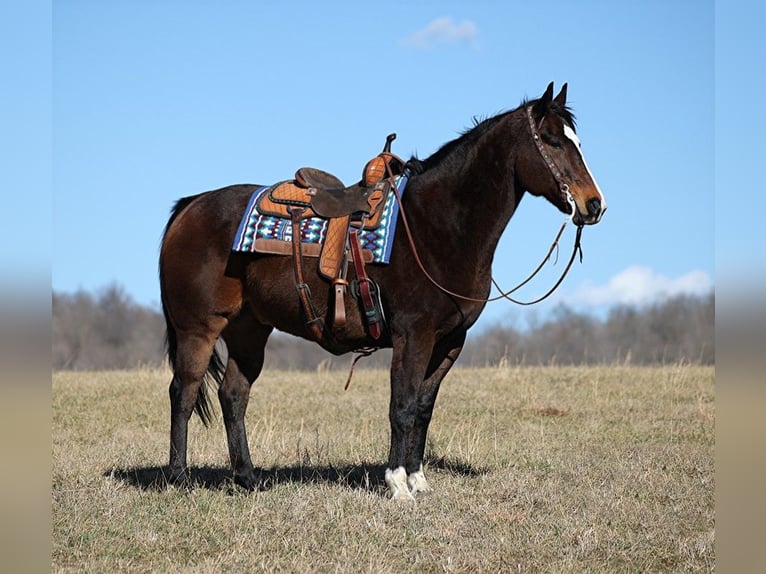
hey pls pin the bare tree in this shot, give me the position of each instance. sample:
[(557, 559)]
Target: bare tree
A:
[(109, 330)]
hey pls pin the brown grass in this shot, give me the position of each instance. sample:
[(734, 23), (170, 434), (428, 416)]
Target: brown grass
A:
[(555, 469)]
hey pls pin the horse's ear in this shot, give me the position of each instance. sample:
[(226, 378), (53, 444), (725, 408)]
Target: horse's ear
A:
[(561, 99), (548, 95), (541, 107)]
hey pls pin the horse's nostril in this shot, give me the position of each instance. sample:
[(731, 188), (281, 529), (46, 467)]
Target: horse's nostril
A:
[(594, 206)]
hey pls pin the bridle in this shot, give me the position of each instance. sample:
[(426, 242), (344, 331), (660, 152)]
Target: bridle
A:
[(563, 186), (554, 169)]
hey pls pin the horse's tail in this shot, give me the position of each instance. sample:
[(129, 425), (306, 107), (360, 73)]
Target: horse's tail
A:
[(216, 367)]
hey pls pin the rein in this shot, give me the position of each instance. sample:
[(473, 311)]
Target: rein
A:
[(557, 175)]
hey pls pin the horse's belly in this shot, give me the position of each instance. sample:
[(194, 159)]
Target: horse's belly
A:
[(272, 296)]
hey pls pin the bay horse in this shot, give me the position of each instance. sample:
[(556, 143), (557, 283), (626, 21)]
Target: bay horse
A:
[(458, 202)]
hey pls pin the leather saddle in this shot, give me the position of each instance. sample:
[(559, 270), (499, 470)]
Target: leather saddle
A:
[(321, 194), (316, 193), (324, 195)]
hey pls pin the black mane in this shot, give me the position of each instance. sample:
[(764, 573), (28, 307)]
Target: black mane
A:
[(466, 138), (471, 135)]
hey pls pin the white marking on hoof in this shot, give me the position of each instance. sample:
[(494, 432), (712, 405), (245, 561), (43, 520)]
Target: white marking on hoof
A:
[(397, 484), (417, 482)]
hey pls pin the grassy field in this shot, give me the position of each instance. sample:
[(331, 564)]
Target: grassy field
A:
[(550, 469)]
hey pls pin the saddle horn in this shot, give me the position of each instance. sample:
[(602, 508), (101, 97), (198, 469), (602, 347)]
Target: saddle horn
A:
[(389, 139)]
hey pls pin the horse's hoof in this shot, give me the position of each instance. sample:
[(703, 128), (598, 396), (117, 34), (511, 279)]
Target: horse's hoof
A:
[(418, 484), (422, 491), (403, 498), (397, 485), (250, 481), (178, 477)]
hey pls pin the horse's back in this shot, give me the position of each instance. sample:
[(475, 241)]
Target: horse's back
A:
[(218, 207)]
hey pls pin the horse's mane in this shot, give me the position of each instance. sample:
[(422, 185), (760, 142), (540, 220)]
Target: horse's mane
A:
[(480, 127), (466, 138)]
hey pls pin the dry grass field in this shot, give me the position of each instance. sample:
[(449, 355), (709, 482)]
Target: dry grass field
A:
[(549, 469)]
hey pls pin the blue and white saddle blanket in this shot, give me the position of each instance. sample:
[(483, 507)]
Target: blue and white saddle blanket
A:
[(255, 225)]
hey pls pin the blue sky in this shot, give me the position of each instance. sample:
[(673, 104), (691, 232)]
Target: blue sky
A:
[(152, 101)]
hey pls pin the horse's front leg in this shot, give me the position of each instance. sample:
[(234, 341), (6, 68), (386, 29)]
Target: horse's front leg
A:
[(442, 360), (408, 367)]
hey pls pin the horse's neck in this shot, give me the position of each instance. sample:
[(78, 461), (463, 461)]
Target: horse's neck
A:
[(470, 207)]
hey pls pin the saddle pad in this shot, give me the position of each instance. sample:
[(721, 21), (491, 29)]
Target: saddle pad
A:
[(314, 229)]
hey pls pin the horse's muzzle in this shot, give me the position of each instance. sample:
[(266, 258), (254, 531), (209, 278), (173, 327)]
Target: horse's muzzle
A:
[(595, 211)]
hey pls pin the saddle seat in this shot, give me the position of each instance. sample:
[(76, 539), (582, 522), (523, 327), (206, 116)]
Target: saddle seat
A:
[(324, 195)]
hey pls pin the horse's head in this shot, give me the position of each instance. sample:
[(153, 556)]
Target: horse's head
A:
[(553, 164)]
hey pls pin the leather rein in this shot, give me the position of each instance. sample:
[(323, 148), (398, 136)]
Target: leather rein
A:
[(563, 187)]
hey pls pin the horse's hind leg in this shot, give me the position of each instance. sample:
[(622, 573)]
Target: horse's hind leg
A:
[(191, 362), (245, 341), (198, 300)]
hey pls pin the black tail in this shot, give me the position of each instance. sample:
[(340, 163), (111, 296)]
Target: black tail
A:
[(216, 367)]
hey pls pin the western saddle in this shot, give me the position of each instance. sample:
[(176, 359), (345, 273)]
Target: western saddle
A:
[(316, 193)]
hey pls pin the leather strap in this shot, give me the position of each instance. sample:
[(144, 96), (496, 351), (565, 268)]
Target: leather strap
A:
[(373, 325), (313, 321), (339, 317)]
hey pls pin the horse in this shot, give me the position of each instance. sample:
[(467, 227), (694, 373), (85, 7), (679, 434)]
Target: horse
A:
[(457, 204)]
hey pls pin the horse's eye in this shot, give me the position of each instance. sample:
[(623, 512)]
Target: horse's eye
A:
[(553, 141)]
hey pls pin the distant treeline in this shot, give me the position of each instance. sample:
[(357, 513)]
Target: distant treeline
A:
[(108, 330)]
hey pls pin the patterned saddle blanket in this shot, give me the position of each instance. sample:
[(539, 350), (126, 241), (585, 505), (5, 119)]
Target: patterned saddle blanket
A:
[(265, 233)]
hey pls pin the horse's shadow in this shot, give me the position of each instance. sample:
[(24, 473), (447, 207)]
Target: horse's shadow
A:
[(364, 476)]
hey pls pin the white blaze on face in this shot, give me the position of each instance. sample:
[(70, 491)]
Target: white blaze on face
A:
[(570, 133)]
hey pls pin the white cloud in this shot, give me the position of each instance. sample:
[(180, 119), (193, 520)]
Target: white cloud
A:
[(442, 31), (638, 285)]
